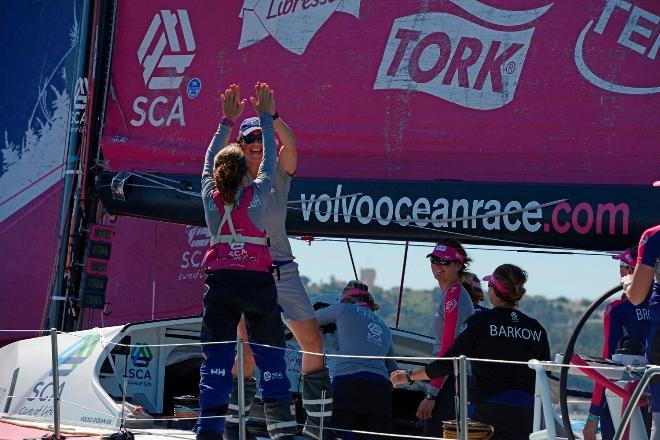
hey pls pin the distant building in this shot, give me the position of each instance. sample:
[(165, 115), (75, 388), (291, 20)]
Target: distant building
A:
[(368, 276)]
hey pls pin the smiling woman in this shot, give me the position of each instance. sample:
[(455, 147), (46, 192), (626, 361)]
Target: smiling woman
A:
[(449, 262)]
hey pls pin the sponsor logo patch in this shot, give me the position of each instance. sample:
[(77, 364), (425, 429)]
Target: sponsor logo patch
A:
[(450, 305), (292, 23), (635, 30), (161, 49), (456, 59)]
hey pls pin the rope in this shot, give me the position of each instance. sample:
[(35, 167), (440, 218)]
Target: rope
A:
[(626, 368)]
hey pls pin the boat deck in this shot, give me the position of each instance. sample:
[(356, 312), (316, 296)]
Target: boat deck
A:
[(13, 431)]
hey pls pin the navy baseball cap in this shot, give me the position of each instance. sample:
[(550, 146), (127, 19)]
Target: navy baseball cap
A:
[(249, 125)]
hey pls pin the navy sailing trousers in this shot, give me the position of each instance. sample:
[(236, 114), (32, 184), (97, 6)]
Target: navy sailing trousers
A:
[(230, 294)]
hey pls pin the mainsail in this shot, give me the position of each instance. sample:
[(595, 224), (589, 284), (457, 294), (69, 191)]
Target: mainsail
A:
[(533, 124)]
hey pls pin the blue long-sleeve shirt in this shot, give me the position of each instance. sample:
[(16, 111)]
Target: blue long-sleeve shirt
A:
[(359, 332)]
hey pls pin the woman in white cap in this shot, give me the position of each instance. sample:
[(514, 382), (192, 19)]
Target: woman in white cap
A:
[(448, 264), (502, 394), (621, 319)]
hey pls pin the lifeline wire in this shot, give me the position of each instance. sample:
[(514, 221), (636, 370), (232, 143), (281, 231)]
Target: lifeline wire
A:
[(545, 363)]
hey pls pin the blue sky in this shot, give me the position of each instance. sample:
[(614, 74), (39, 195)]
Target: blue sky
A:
[(574, 276)]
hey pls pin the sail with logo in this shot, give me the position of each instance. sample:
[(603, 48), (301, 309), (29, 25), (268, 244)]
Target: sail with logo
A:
[(484, 119), (477, 112)]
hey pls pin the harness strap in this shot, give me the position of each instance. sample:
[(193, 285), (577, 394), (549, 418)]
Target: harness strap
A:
[(235, 237), (238, 238)]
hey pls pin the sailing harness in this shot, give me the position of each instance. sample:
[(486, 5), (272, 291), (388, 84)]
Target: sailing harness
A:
[(239, 244)]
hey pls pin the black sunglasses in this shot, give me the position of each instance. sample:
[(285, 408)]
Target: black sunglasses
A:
[(440, 261), (252, 138)]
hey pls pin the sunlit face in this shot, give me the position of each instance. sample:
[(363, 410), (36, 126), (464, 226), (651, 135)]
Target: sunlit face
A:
[(624, 269), (253, 148), (446, 272)]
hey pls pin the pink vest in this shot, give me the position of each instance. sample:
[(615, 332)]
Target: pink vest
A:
[(239, 244)]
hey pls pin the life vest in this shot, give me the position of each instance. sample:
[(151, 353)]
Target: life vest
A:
[(239, 244)]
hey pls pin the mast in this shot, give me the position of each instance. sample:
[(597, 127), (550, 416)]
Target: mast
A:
[(80, 205)]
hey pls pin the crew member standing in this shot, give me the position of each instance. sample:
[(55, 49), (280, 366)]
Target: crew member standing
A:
[(361, 386), (502, 394), (645, 277), (621, 319), (297, 310), (238, 280), (448, 264)]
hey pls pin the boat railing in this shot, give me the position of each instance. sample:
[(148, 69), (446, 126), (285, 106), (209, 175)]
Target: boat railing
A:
[(543, 409)]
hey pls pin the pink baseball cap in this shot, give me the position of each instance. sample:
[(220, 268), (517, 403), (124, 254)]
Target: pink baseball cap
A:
[(496, 284), (446, 253), (354, 292), (625, 257)]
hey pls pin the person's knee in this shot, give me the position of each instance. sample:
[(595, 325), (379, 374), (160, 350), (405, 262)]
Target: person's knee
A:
[(307, 335), (248, 364)]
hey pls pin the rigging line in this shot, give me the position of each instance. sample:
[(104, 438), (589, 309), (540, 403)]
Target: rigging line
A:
[(156, 176), (562, 251), (403, 276), (454, 219), (152, 180), (121, 112), (324, 199), (147, 177), (137, 185), (350, 253), (482, 237)]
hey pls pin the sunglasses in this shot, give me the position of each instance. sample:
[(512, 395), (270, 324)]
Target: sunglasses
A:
[(440, 261), (625, 266), (252, 138)]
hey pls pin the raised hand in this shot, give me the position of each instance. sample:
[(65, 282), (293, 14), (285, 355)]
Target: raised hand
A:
[(263, 101), (232, 105)]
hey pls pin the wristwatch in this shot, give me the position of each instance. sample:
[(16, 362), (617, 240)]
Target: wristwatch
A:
[(429, 396), (409, 376)]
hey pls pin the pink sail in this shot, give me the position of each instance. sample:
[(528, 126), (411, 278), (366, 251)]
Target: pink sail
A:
[(558, 93), (561, 92)]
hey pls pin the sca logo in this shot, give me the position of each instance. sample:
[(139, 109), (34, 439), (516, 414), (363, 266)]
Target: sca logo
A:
[(68, 361), (198, 240), (292, 23), (166, 51), (638, 35), (457, 60), (79, 115), (141, 355), (76, 354)]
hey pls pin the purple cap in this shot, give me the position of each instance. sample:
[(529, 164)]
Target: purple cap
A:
[(249, 125)]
